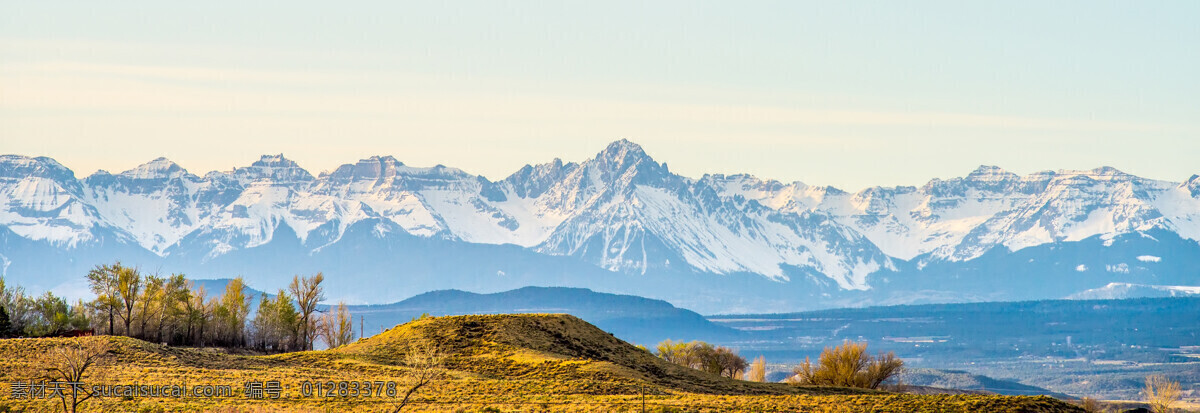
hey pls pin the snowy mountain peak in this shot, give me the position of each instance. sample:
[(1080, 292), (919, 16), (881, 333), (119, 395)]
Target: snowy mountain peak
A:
[(386, 170), (623, 153), (623, 145), (1192, 185), (19, 167), (275, 161), (41, 200), (276, 168), (985, 178), (623, 163), (375, 168), (1108, 171), (992, 174), (160, 168)]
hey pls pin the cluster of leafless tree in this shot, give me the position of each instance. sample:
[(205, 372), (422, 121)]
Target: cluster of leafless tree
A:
[(173, 310), (699, 355), (847, 365), (288, 321)]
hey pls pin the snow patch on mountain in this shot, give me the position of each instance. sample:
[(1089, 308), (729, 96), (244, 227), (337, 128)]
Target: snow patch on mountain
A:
[(1118, 290)]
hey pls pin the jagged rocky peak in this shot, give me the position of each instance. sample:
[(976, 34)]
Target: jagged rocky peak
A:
[(627, 161), (555, 169), (748, 183), (830, 190), (1192, 184), (374, 168), (987, 178), (623, 152), (275, 168), (878, 200), (159, 168), (274, 161), (531, 181)]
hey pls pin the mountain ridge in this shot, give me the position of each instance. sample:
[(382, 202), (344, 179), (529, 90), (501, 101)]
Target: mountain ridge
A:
[(621, 211), (632, 318)]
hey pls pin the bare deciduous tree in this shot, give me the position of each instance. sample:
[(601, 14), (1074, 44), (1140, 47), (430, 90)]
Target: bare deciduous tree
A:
[(337, 327), (307, 291), (1091, 405), (1161, 393), (67, 366), (424, 362)]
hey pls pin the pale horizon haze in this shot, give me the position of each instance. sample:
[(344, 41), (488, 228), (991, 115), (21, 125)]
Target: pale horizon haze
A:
[(848, 95)]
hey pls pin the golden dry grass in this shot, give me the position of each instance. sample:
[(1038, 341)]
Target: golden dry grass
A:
[(527, 363)]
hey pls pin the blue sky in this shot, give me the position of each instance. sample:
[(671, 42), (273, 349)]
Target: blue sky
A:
[(829, 93)]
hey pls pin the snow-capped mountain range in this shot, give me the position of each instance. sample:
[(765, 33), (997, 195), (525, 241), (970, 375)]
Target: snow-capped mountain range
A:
[(621, 211)]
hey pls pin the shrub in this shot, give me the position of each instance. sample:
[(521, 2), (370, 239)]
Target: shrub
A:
[(758, 370), (849, 365), (1091, 405), (1161, 393)]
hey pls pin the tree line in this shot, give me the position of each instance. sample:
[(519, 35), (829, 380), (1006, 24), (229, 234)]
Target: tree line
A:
[(847, 365), (719, 360), (174, 311)]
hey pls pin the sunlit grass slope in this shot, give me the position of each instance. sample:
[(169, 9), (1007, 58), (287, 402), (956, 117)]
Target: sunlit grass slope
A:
[(530, 362)]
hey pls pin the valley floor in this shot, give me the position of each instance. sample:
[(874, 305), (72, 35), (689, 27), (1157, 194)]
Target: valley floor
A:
[(1102, 349)]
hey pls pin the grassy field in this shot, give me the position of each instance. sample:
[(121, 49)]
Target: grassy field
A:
[(491, 363)]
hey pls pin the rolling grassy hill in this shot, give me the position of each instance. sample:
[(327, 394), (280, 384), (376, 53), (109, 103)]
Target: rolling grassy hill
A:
[(528, 362), (631, 318)]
